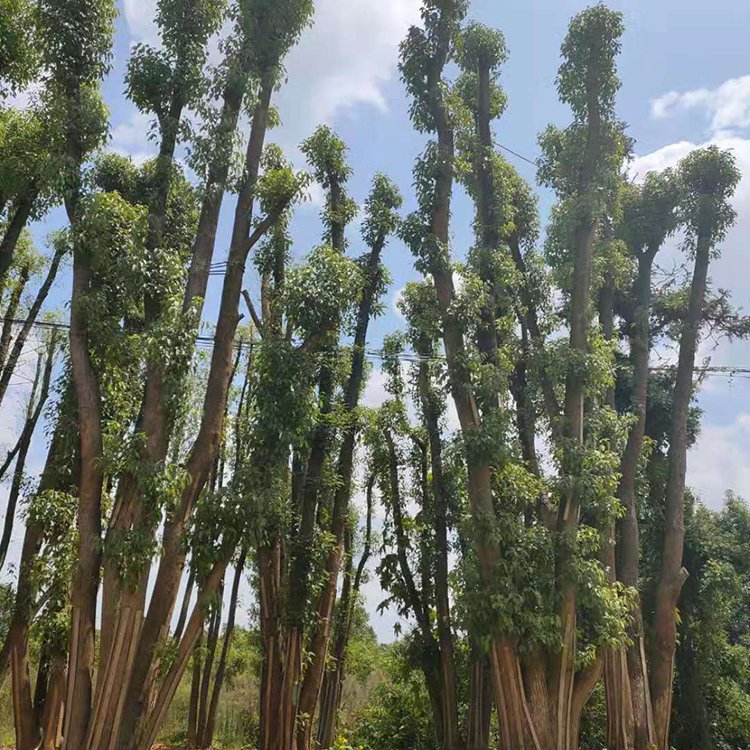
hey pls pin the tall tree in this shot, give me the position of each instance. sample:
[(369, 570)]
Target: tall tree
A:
[(710, 177)]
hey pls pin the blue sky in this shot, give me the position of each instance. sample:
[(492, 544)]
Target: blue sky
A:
[(686, 82)]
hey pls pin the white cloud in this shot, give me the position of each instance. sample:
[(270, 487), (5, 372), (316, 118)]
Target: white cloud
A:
[(131, 137), (719, 461), (343, 61), (140, 16), (727, 106)]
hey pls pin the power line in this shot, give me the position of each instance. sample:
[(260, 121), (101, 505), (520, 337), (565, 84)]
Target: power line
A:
[(533, 162), (207, 342)]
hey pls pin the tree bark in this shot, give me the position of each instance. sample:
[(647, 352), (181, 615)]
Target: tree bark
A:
[(672, 575), (635, 718), (79, 689)]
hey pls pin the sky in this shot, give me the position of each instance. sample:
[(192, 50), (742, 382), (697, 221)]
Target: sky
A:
[(685, 83)]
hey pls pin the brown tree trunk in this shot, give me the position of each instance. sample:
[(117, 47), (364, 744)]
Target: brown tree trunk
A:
[(204, 450), (26, 726), (311, 686), (672, 575), (269, 596), (634, 725), (78, 700), (451, 732), (480, 703), (149, 727), (195, 690), (508, 687), (212, 641), (51, 723)]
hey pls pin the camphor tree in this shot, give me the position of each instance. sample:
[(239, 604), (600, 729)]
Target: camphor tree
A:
[(537, 549)]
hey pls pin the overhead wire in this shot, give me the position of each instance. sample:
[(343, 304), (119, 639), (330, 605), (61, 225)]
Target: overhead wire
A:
[(206, 343)]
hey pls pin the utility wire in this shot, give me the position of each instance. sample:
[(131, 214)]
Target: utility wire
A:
[(207, 342)]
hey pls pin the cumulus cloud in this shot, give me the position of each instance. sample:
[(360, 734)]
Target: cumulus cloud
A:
[(344, 60), (727, 106), (140, 16), (131, 136), (718, 461)]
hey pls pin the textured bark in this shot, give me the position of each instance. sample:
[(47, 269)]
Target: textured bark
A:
[(149, 727), (672, 575), (51, 720), (480, 703), (36, 306), (79, 688), (212, 641), (634, 727), (26, 727)]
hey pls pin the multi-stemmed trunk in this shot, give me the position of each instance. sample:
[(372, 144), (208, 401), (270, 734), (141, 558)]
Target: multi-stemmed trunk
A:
[(314, 677), (138, 661), (630, 718), (672, 575)]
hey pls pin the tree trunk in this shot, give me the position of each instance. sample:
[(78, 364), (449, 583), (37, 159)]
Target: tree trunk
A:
[(83, 596), (311, 687), (634, 727), (208, 665), (205, 448), (53, 705), (480, 703), (195, 689), (672, 575)]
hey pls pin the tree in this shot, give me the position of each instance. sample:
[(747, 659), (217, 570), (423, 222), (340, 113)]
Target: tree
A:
[(710, 176)]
